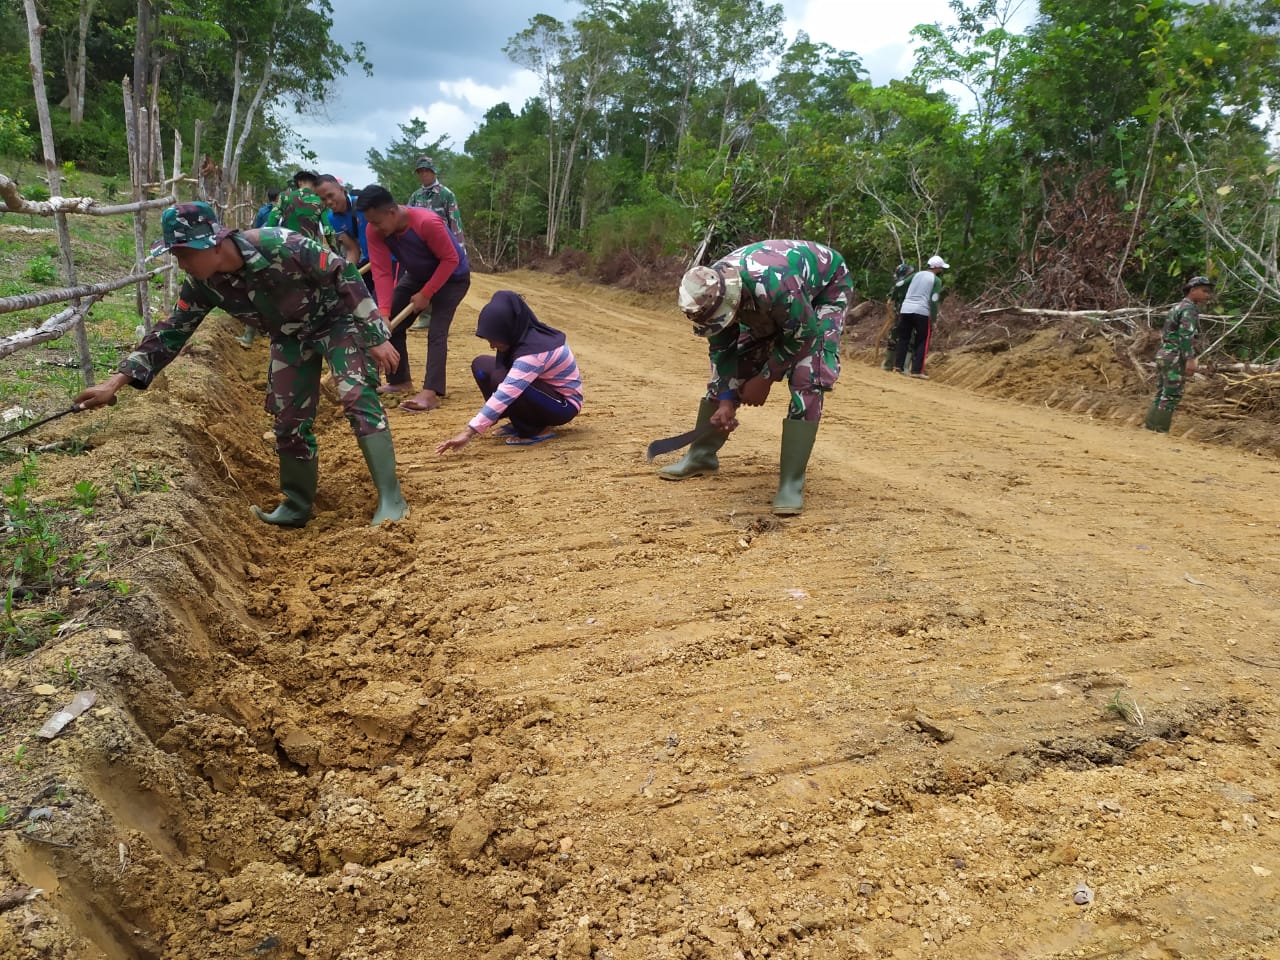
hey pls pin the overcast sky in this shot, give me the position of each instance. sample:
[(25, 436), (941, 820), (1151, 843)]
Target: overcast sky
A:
[(443, 62)]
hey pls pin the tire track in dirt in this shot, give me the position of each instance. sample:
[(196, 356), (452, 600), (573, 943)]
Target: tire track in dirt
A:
[(569, 710)]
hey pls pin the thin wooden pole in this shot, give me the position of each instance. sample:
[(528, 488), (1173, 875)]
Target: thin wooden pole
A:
[(34, 30), (195, 162), (171, 281), (142, 302)]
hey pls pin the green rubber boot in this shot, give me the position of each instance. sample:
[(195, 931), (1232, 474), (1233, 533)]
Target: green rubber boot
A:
[(298, 480), (423, 321), (380, 455), (701, 457), (1158, 420), (246, 339), (797, 444)]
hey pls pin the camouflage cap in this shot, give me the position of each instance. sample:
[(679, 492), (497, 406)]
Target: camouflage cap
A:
[(709, 297), (903, 270), (192, 225), (1197, 282), (426, 163)]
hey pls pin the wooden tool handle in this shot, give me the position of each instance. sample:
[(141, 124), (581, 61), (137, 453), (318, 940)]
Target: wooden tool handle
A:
[(401, 317)]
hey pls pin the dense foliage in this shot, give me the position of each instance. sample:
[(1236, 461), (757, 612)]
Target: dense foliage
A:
[(1099, 157), (201, 60)]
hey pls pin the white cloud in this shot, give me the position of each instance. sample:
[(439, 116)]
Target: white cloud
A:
[(519, 87), (880, 33)]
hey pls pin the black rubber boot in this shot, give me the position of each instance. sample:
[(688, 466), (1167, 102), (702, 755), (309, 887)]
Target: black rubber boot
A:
[(797, 444), (380, 456), (298, 480), (701, 457)]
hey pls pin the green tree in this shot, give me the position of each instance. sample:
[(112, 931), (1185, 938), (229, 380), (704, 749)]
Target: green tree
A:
[(394, 166)]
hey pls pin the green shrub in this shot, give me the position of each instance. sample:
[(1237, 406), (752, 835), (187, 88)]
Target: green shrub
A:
[(96, 145), (36, 192), (15, 136), (42, 270)]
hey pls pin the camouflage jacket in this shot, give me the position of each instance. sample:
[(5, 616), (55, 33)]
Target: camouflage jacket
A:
[(299, 209), (781, 279), (439, 198), (1181, 329), (289, 286)]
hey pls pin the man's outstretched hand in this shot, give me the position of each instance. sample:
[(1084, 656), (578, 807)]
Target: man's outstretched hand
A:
[(100, 395)]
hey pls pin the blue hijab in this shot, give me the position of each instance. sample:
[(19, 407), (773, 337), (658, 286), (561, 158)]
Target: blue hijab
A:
[(506, 318)]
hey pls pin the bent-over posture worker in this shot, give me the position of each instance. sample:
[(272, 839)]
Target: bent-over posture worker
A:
[(1175, 360), (769, 310), (433, 272), (919, 312), (902, 275), (297, 208), (315, 308)]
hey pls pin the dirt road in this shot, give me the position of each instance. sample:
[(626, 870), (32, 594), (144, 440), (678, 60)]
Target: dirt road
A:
[(1008, 659)]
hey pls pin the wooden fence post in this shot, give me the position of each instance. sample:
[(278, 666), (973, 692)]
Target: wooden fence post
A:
[(34, 30), (139, 217), (195, 162), (171, 281)]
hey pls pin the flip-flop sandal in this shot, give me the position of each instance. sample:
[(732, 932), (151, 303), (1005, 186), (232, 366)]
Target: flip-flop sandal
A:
[(506, 430), (528, 441)]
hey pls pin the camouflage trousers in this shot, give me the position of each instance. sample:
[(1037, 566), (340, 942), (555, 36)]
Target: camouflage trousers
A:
[(813, 374), (1171, 382), (293, 387)]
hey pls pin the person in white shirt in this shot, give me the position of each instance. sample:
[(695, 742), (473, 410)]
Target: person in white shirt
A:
[(919, 311)]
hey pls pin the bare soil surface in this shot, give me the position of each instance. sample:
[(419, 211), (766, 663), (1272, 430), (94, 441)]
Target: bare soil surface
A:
[(1006, 688)]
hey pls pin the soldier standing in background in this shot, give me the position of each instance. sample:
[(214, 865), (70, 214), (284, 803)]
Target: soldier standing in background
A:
[(315, 308), (769, 310), (1175, 360)]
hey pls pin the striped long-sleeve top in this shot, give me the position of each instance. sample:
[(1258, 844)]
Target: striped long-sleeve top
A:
[(556, 369)]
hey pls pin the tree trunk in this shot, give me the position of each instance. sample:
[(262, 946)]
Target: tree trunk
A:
[(34, 30), (141, 54), (143, 302), (76, 76), (232, 169), (236, 79)]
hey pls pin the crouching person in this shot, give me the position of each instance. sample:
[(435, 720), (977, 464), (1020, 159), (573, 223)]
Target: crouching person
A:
[(532, 380), (315, 308)]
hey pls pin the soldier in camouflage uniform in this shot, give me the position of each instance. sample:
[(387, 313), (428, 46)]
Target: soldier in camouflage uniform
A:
[(902, 275), (769, 310), (434, 195), (297, 208), (1175, 360), (315, 308)]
